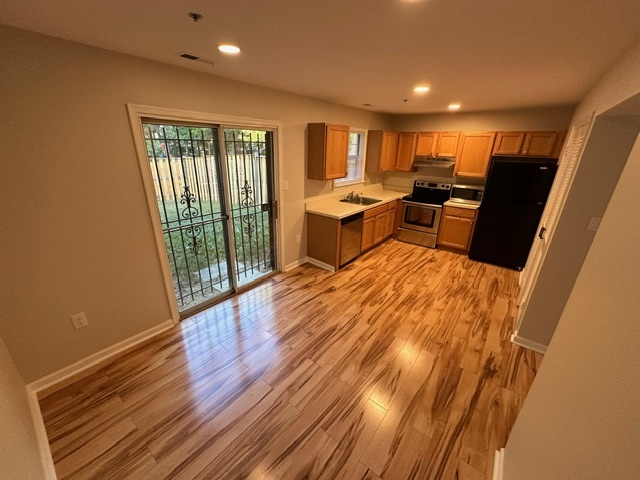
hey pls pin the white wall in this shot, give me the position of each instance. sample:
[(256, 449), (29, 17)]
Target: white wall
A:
[(19, 454), (580, 419), (76, 232), (604, 157)]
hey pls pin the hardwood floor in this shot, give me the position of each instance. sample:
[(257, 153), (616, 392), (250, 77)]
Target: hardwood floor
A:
[(398, 367)]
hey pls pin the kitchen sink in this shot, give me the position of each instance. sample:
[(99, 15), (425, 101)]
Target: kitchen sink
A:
[(361, 200)]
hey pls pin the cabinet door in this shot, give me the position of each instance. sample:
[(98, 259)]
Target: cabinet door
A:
[(455, 232), (388, 152), (539, 144), (427, 143), (448, 144), (474, 154), (337, 149), (406, 151), (389, 222), (367, 233), (380, 226), (508, 143)]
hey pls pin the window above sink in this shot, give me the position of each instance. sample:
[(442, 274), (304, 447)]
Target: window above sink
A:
[(355, 159)]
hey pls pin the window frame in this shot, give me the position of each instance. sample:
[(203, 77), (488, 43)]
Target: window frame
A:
[(339, 182)]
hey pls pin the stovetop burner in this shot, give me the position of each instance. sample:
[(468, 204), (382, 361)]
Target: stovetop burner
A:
[(433, 193)]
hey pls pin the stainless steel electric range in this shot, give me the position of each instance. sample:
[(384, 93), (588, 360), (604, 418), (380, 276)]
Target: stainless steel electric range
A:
[(422, 211)]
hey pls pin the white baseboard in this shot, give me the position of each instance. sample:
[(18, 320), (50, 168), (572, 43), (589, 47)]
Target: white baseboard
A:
[(91, 360), (295, 264), (41, 436), (498, 465), (530, 344), (320, 264)]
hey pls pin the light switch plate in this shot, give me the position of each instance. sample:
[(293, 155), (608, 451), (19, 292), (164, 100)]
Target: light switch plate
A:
[(594, 223)]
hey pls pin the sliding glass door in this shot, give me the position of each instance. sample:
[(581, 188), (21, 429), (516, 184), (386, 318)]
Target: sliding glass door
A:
[(215, 197)]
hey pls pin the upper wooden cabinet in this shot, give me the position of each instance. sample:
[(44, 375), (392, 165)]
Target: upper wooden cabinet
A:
[(508, 143), (427, 144), (406, 151), (539, 144), (382, 148), (327, 150), (531, 144), (448, 144), (474, 154), (437, 144)]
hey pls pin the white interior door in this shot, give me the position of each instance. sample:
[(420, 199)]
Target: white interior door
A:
[(569, 161)]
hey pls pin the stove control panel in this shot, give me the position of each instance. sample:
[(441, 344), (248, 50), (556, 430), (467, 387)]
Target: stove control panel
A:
[(438, 186)]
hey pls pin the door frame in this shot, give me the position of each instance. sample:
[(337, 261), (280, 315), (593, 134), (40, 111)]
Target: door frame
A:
[(136, 113), (557, 198)]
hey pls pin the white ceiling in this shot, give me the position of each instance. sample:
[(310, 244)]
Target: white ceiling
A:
[(487, 55)]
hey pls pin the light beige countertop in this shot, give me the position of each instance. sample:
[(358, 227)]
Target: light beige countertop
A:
[(449, 203), (334, 208)]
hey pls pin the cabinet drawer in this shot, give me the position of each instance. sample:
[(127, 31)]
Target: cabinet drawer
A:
[(391, 205), (372, 212), (460, 212)]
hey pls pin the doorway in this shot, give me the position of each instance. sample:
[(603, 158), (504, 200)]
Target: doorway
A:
[(214, 192)]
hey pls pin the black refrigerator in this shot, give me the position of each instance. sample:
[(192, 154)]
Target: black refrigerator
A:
[(514, 198)]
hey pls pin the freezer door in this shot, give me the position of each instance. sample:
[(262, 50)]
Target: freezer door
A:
[(520, 179), (504, 232)]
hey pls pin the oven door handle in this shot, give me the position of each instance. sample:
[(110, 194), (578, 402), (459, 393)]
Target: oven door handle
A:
[(430, 205)]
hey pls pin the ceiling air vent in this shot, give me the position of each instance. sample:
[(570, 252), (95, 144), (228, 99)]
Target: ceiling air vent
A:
[(195, 58), (188, 56)]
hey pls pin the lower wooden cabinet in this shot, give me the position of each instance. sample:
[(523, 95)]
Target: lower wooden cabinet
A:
[(378, 224), (456, 227), (368, 227)]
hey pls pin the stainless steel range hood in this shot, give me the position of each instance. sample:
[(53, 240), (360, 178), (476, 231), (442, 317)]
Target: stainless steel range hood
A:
[(430, 162)]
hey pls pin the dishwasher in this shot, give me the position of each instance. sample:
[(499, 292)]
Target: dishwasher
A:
[(350, 237)]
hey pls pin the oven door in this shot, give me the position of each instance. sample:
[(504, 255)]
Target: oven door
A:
[(421, 217)]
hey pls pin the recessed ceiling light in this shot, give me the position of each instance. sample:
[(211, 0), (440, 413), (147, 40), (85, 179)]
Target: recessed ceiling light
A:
[(229, 49), (421, 89), (454, 106)]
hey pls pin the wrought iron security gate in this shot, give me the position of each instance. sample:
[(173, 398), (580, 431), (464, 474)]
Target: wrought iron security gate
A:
[(216, 209)]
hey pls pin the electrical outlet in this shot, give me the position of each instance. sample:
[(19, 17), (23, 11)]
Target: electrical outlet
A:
[(79, 320), (286, 185), (297, 238)]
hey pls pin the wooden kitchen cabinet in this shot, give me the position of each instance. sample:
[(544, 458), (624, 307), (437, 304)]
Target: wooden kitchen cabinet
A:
[(382, 147), (427, 144), (474, 154), (539, 144), (437, 144), (368, 227), (390, 219), (376, 225), (406, 151), (456, 227), (448, 144), (327, 150), (530, 144), (508, 143)]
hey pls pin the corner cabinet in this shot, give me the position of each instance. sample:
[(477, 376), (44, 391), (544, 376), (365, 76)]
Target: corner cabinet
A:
[(382, 148), (474, 154), (406, 151), (456, 227), (327, 150)]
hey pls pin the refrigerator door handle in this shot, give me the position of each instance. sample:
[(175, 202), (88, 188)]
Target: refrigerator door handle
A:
[(541, 233)]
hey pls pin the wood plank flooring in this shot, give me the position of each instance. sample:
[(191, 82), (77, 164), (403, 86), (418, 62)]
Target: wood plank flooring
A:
[(398, 367)]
